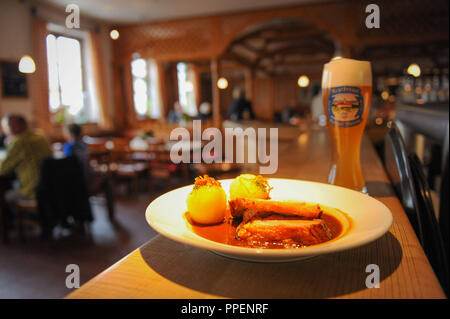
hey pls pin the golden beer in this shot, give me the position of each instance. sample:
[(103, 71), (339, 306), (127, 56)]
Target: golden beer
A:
[(347, 92)]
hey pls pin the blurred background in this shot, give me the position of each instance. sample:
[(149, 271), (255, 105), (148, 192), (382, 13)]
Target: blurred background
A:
[(134, 70)]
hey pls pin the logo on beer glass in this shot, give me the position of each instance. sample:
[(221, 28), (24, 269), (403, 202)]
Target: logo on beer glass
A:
[(345, 106)]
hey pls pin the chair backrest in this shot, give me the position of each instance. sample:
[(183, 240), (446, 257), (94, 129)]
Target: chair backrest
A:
[(411, 186), (399, 171), (433, 242), (443, 207), (62, 191)]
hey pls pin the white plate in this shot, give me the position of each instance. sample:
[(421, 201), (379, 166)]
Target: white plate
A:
[(370, 219)]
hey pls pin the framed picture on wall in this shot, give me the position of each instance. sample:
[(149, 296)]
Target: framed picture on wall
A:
[(13, 83)]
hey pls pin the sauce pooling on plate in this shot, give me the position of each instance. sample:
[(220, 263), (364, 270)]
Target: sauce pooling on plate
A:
[(225, 233)]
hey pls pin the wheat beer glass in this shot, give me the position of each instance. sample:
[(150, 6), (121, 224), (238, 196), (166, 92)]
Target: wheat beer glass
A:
[(347, 91)]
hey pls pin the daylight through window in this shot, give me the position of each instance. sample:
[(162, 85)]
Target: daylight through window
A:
[(65, 76)]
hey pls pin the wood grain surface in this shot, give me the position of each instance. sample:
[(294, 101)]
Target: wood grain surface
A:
[(162, 268)]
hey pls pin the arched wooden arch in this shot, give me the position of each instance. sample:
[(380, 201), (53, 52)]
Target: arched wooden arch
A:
[(209, 37), (311, 14)]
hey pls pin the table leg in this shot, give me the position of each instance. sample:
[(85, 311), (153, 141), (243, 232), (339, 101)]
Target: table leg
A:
[(4, 221)]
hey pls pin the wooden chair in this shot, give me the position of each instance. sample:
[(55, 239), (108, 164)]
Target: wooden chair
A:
[(162, 169), (36, 211), (25, 211), (101, 179), (125, 169), (21, 212), (62, 195)]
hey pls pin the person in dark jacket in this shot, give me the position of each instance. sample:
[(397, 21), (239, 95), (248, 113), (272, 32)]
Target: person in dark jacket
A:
[(240, 108)]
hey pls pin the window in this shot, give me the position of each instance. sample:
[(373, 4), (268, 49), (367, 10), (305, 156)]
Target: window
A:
[(186, 89), (145, 88), (65, 76)]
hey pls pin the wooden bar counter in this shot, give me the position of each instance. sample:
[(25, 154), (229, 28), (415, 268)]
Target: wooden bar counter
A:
[(162, 268)]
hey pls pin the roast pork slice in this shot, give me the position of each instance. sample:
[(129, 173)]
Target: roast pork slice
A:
[(289, 232), (261, 208)]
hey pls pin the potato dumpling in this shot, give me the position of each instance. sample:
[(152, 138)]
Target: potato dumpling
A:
[(207, 203), (250, 186)]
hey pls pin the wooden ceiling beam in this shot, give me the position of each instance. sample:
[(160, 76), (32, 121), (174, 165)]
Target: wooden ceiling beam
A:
[(238, 58), (305, 60), (304, 43), (377, 41), (288, 35), (301, 49), (277, 29), (252, 48)]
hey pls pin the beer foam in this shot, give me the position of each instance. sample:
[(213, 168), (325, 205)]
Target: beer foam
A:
[(346, 72)]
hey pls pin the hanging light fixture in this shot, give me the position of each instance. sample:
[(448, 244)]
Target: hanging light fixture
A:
[(114, 34), (414, 70), (26, 64), (222, 83), (303, 81)]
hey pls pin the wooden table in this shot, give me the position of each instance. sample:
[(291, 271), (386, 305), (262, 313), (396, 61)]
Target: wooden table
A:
[(162, 268)]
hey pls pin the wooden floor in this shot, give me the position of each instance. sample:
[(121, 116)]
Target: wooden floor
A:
[(36, 269)]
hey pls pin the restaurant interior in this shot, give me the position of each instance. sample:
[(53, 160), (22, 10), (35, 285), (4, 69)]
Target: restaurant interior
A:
[(111, 81)]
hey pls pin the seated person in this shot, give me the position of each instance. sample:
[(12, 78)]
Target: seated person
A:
[(75, 145), (288, 112), (240, 106), (25, 151), (204, 111), (176, 114), (73, 133), (317, 109)]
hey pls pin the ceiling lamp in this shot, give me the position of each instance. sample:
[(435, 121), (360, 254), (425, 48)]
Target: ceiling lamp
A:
[(222, 83), (303, 81), (114, 34), (26, 64), (414, 70)]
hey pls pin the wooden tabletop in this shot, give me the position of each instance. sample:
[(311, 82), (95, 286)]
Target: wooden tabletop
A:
[(162, 268)]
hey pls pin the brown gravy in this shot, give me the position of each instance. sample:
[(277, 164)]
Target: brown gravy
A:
[(225, 232)]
